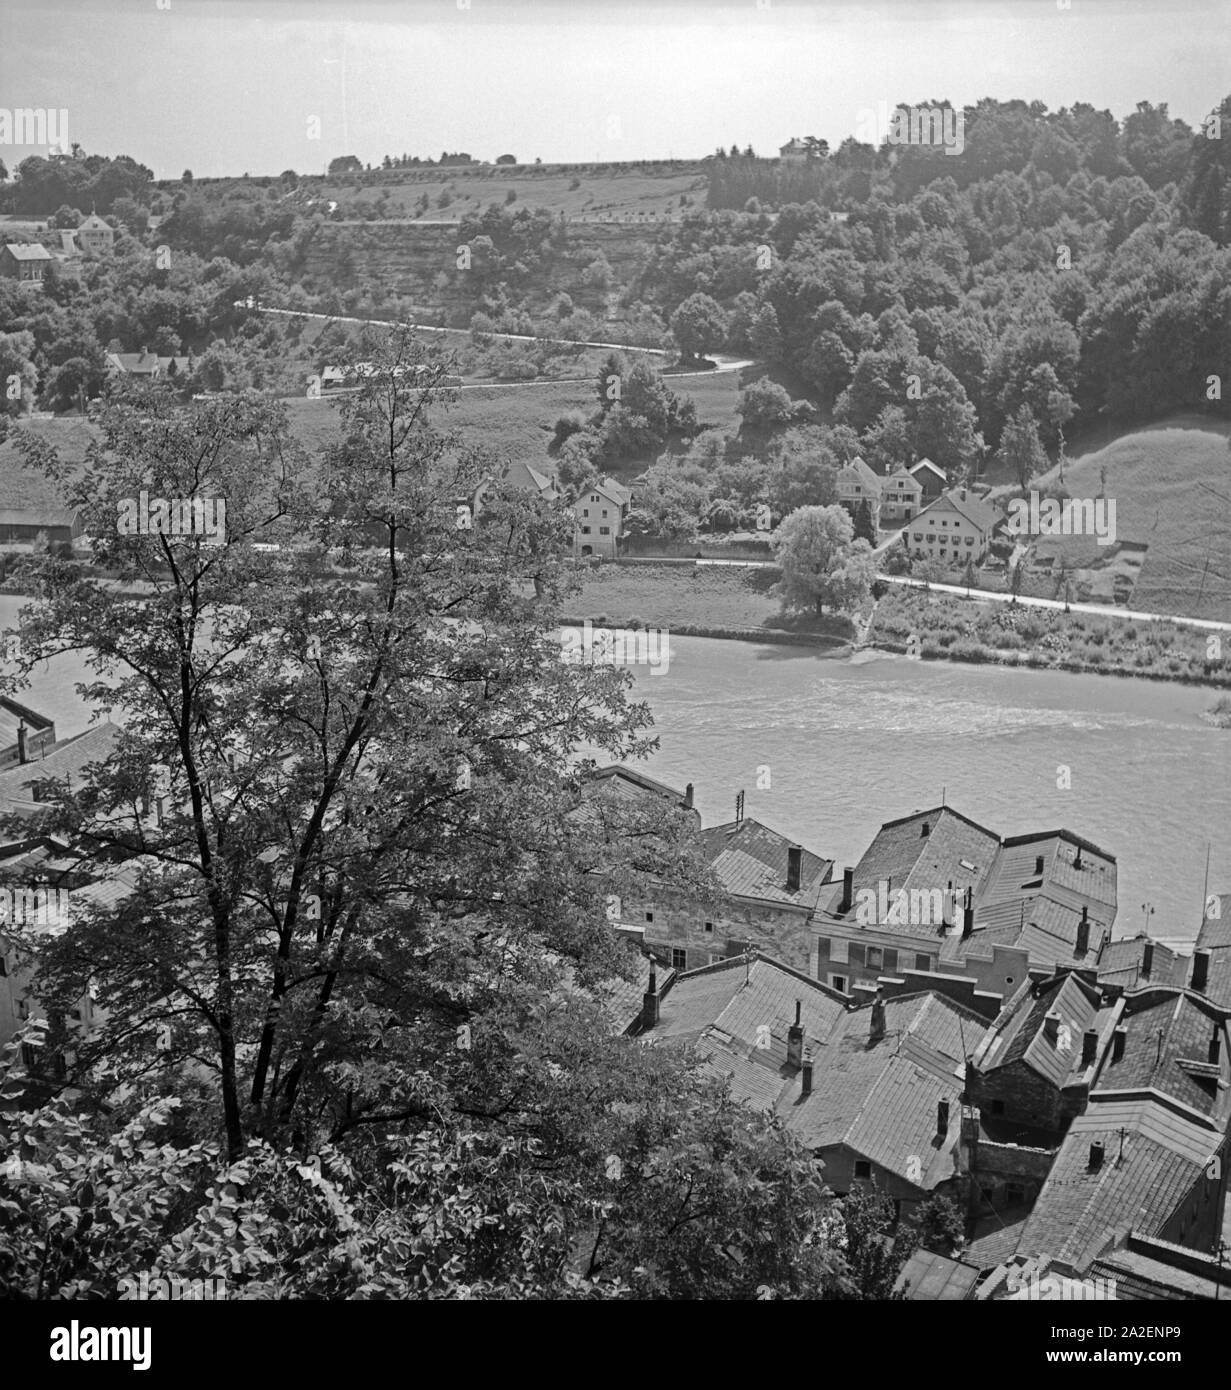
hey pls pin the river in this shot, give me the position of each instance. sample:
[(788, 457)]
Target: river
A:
[(826, 749), (846, 744)]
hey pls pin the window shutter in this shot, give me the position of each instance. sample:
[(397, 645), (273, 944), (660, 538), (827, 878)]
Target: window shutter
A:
[(891, 959)]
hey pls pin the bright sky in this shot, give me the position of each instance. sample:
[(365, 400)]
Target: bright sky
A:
[(228, 86)]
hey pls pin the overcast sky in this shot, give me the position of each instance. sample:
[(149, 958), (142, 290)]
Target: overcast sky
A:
[(228, 86)]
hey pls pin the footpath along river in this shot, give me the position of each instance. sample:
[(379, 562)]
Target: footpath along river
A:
[(846, 744)]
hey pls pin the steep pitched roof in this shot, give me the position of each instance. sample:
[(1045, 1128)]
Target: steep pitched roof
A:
[(94, 223), (750, 860), (1168, 1033), (857, 471), (67, 759), (965, 504), (1122, 963), (1082, 1210), (928, 466), (1021, 1033)]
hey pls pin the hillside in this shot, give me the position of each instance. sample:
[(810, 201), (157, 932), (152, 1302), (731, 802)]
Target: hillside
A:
[(1170, 485), (578, 191)]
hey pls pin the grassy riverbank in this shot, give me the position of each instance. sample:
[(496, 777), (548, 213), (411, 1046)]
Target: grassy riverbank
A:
[(944, 626), (699, 601)]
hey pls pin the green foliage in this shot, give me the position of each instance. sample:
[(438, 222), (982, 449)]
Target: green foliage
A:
[(821, 561)]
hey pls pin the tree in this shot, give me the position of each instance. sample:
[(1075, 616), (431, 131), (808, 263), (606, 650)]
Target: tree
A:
[(764, 404), (864, 528), (698, 325), (18, 376), (821, 561), (872, 1256), (345, 164), (609, 384), (298, 757), (506, 159), (1020, 449), (186, 177)]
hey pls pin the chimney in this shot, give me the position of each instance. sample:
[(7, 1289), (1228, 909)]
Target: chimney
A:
[(1201, 970), (968, 913), (848, 890), (942, 1118), (1083, 933), (924, 830), (1097, 1154), (1147, 958), (649, 1003), (1089, 1046), (1118, 1039), (1215, 1046), (795, 1040), (23, 753), (877, 1030), (688, 797), (1038, 863), (1077, 864), (806, 1079), (1051, 1025), (794, 868)]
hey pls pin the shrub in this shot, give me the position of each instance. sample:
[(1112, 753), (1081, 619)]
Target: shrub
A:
[(569, 424)]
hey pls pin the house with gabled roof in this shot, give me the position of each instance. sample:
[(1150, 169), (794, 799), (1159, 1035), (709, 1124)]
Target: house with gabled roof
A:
[(600, 511), (95, 237), (957, 527), (858, 483), (874, 1091), (936, 891), (932, 479), (25, 261), (901, 496), (765, 890)]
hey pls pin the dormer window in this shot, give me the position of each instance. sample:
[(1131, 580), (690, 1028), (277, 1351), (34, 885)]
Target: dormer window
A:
[(924, 830)]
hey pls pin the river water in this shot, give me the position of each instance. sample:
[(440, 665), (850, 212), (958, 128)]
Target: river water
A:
[(841, 745), (826, 749)]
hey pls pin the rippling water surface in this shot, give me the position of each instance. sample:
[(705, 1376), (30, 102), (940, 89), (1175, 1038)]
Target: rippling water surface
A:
[(851, 743)]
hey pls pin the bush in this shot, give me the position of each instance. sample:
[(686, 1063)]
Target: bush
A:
[(569, 424)]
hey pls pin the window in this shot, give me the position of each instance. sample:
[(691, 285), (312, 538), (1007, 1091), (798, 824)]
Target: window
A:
[(4, 969), (970, 540), (604, 511), (29, 1056), (679, 959), (712, 959), (923, 962), (1015, 1194), (649, 916), (875, 958), (593, 498), (918, 536), (585, 530), (997, 1107), (585, 511), (863, 1169), (709, 926), (604, 530), (23, 1009), (838, 982)]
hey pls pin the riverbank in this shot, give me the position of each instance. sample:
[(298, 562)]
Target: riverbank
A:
[(931, 626), (707, 601)]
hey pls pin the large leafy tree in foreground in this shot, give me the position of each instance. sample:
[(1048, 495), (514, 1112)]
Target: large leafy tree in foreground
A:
[(366, 938)]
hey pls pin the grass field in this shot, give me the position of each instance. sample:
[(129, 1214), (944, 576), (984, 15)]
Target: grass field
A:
[(621, 193), (1172, 488)]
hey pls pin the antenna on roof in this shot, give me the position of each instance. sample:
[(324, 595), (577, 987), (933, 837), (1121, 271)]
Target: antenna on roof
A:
[(739, 808), (1205, 888), (943, 802)]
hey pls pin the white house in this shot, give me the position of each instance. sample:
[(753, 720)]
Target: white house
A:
[(955, 528), (858, 483), (901, 496), (600, 513)]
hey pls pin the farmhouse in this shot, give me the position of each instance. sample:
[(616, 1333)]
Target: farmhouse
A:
[(24, 261)]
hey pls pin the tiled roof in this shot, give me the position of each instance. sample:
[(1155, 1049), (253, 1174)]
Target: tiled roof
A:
[(610, 488), (1121, 963), (1080, 1211), (621, 999), (970, 507), (1158, 1272), (1164, 1027), (857, 471), (931, 1278), (610, 794), (879, 1099), (739, 997), (750, 860), (27, 251), (67, 759), (1020, 1033), (999, 1239), (94, 223)]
